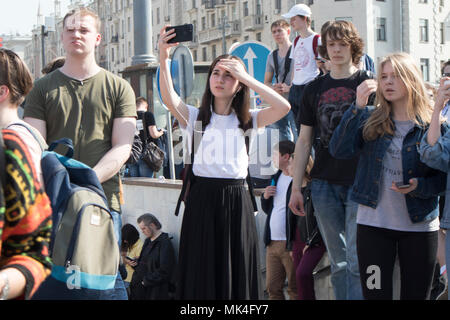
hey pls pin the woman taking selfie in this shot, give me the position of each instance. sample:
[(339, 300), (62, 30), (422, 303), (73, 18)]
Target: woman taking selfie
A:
[(218, 254), (396, 192)]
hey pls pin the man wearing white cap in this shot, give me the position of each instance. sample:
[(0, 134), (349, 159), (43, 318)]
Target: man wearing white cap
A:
[(303, 54)]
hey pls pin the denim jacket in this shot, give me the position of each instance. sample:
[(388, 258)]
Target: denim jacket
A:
[(438, 157), (347, 141)]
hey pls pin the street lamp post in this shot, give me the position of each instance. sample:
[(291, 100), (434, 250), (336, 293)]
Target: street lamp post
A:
[(223, 27), (43, 35)]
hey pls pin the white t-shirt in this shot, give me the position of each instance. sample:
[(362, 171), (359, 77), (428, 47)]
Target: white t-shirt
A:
[(303, 58), (278, 216), (222, 152), (33, 147)]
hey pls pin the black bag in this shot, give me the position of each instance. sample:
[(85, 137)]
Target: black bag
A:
[(152, 155), (136, 150), (307, 224)]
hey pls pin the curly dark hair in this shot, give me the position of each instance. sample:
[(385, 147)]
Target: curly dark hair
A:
[(342, 30)]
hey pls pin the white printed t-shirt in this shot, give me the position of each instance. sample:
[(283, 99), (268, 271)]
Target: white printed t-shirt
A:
[(303, 58)]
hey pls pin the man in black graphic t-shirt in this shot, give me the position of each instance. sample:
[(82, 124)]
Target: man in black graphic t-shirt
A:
[(324, 101), (334, 97)]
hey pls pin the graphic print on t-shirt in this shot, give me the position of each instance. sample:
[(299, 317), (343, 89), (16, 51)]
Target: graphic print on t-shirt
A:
[(301, 58), (332, 105)]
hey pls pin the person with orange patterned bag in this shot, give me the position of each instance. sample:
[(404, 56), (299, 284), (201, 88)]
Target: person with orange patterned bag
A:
[(25, 212)]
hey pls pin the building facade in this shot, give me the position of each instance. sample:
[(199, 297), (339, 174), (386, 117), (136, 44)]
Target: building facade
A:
[(419, 27)]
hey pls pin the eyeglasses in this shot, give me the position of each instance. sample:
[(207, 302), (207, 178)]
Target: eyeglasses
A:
[(447, 74)]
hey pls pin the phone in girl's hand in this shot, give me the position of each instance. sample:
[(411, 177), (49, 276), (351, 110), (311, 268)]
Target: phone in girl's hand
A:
[(401, 185)]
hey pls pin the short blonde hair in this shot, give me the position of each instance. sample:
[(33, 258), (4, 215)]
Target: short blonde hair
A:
[(83, 11)]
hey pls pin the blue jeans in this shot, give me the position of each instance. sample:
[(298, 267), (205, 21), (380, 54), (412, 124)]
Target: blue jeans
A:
[(295, 99), (336, 218), (287, 129), (120, 293), (140, 169)]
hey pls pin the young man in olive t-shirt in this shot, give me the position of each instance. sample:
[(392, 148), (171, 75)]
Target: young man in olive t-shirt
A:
[(89, 105)]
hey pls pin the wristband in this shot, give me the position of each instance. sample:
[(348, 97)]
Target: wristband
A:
[(5, 290)]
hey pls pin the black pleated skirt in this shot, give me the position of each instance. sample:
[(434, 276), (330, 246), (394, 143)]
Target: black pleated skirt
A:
[(218, 252)]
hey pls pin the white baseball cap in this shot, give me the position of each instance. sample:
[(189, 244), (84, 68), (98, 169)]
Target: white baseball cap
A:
[(298, 10)]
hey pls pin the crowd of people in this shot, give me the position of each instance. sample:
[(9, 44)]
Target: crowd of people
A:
[(362, 166)]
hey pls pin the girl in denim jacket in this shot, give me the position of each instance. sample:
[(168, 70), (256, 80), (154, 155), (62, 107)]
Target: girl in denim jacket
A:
[(396, 192), (435, 152)]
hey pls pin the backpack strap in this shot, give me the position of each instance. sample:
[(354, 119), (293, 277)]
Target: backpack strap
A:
[(2, 161), (249, 178), (296, 40), (315, 45), (33, 132), (65, 142), (287, 64), (188, 175), (275, 62)]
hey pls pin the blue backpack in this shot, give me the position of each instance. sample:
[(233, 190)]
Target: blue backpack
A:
[(83, 246)]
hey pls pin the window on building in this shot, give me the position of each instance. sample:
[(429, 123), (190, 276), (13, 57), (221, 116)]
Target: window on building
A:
[(423, 1), (203, 23), (129, 24), (194, 4), (213, 51), (194, 55), (425, 67), (194, 30), (310, 2), (158, 21), (129, 49), (205, 58), (258, 8), (442, 31), (278, 4), (381, 29), (246, 38), (233, 13), (112, 54), (213, 20), (258, 36), (245, 4), (423, 25)]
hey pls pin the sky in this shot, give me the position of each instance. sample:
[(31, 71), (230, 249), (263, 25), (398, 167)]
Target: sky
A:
[(21, 15)]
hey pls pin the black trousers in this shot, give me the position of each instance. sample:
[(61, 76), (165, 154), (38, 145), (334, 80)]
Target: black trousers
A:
[(377, 250)]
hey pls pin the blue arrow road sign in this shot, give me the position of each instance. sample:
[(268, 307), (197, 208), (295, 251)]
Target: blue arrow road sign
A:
[(254, 54)]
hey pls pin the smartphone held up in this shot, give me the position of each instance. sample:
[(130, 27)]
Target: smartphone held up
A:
[(183, 33)]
